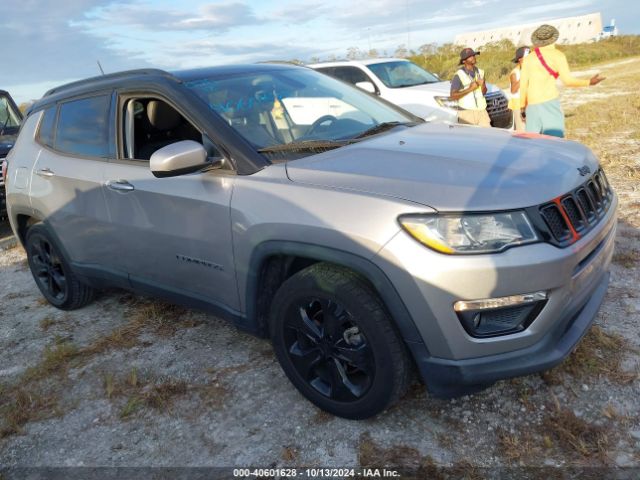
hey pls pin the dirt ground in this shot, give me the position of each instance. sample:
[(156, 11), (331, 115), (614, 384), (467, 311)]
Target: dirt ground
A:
[(129, 381)]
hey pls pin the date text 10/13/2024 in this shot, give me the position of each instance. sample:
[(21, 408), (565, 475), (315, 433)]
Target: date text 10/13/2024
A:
[(316, 472)]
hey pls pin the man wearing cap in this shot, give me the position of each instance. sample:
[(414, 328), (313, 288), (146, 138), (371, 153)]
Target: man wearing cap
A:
[(538, 91), (468, 88)]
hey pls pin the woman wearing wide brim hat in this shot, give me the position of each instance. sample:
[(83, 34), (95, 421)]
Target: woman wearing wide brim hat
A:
[(539, 94)]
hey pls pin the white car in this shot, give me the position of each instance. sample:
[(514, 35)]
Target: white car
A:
[(413, 88)]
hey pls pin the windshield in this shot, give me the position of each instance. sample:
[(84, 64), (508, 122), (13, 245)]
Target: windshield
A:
[(402, 74), (295, 107), (8, 116)]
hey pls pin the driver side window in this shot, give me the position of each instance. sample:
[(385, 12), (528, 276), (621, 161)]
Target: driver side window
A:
[(150, 124)]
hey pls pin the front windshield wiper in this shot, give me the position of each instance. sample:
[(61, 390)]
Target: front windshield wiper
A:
[(306, 146), (403, 85), (382, 127)]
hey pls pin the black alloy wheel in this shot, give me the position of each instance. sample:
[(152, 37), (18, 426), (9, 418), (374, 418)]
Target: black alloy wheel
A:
[(47, 269), (336, 342), (53, 276), (328, 349)]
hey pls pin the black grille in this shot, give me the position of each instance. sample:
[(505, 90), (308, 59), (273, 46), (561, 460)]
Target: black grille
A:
[(573, 212), (586, 205), (583, 208), (507, 316), (496, 103), (556, 222), (594, 191)]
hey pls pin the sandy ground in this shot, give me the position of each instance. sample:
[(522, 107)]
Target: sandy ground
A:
[(197, 392)]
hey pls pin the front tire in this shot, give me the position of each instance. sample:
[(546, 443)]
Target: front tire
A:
[(52, 273), (336, 342)]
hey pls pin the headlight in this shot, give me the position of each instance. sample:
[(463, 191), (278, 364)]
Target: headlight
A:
[(447, 102), (470, 233)]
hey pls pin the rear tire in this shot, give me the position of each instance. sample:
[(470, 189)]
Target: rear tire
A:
[(336, 342), (52, 273)]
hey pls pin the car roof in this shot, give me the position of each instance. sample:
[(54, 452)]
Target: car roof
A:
[(119, 79), (368, 61)]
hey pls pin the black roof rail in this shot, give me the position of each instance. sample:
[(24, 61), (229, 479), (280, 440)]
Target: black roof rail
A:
[(111, 76)]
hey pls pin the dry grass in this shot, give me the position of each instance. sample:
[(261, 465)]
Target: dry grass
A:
[(626, 258), (160, 318), (22, 405), (563, 435), (598, 354), (289, 454), (14, 295), (321, 417), (157, 394), (610, 127), (140, 393), (47, 322), (37, 392), (56, 360), (517, 447), (406, 459), (573, 436)]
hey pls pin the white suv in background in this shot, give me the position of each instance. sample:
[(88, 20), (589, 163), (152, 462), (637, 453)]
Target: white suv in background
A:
[(413, 88)]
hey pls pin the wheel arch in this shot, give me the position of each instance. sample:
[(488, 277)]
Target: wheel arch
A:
[(273, 261), (23, 220)]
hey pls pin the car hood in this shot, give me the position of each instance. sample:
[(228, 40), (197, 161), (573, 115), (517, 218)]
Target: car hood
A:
[(443, 88), (452, 167), (439, 88)]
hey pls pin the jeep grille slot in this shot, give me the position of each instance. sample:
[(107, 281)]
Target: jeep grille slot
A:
[(575, 217), (594, 191), (586, 205), (556, 222)]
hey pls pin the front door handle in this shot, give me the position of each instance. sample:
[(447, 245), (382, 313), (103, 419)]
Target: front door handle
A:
[(45, 172), (120, 185)]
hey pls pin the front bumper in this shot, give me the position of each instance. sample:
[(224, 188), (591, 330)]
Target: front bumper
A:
[(451, 361), (451, 378)]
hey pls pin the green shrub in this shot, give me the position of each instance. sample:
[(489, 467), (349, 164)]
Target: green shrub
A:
[(495, 58)]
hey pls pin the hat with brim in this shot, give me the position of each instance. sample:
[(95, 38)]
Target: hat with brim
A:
[(520, 52), (544, 35), (466, 53)]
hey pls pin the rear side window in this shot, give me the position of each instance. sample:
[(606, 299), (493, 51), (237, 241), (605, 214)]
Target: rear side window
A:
[(84, 127), (350, 75), (45, 134)]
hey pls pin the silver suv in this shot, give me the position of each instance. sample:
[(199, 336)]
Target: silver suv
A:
[(364, 242)]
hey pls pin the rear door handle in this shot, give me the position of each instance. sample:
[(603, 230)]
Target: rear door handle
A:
[(45, 172), (120, 185)]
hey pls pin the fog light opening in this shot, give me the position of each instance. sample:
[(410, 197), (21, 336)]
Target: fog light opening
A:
[(499, 316), (476, 320)]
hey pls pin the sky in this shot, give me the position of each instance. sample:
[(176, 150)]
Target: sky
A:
[(46, 43)]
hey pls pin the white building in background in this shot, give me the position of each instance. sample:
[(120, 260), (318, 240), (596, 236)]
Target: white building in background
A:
[(584, 28)]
